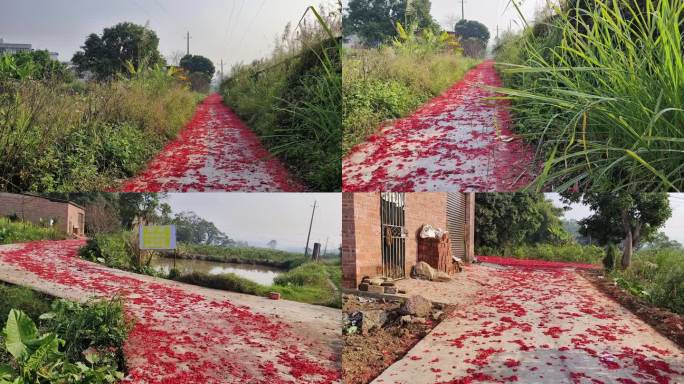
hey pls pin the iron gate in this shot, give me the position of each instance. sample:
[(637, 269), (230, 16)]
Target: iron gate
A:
[(393, 231)]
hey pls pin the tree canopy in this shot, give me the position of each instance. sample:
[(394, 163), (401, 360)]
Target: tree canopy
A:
[(36, 65), (198, 64), (509, 219), (466, 29), (374, 21), (623, 217), (190, 228), (107, 55)]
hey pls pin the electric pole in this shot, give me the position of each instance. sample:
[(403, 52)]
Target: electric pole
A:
[(188, 41), (462, 9), (325, 250), (308, 237), (221, 70)]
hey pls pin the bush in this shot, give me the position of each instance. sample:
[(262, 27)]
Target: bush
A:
[(612, 255), (390, 82), (572, 253), (242, 255), (18, 232), (117, 250), (598, 87), (31, 302), (227, 282)]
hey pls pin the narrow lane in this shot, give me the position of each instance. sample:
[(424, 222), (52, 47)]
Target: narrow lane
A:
[(536, 323), (187, 334), (460, 141), (214, 152)]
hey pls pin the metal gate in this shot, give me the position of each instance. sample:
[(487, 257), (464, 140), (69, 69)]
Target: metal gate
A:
[(456, 223), (393, 231)]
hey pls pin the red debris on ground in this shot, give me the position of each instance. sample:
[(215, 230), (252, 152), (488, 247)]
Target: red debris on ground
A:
[(460, 141), (180, 337), (216, 151)]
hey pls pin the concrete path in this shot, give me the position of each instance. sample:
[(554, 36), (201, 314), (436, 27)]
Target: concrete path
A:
[(460, 141), (538, 325), (214, 152), (188, 334)]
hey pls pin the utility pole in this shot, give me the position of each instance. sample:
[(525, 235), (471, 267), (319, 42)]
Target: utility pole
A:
[(221, 70), (325, 250), (188, 41), (462, 9), (308, 237)]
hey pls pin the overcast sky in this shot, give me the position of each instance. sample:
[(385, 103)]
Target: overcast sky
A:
[(261, 217), (235, 30), (674, 228)]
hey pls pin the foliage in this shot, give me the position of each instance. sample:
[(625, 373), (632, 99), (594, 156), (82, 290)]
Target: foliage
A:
[(374, 20), (57, 139), (198, 64), (391, 82), (612, 254), (600, 90), (661, 240), (106, 56), (473, 37), (292, 100), (241, 255), (571, 253), (227, 282), (12, 232), (15, 297), (505, 220), (118, 250), (193, 229), (34, 65), (657, 276)]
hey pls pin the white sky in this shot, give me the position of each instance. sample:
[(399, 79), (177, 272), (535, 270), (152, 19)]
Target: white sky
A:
[(235, 30), (674, 227), (260, 217)]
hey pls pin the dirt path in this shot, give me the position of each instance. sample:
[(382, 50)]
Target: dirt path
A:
[(187, 334), (532, 324), (214, 152), (457, 142)]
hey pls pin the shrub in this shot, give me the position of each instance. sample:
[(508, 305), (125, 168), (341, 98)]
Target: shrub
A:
[(11, 297), (18, 231), (242, 255), (573, 253), (612, 255), (117, 250), (227, 282)]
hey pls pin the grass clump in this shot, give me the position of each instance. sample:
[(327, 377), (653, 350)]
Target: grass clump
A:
[(388, 82), (242, 255), (657, 276), (571, 253), (292, 100), (599, 87), (12, 232), (119, 250), (66, 137)]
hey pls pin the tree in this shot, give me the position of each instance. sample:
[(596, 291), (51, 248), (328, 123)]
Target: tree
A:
[(37, 65), (198, 64), (107, 55), (660, 240), (623, 217), (374, 21), (272, 244), (138, 208), (466, 29), (190, 228), (508, 219)]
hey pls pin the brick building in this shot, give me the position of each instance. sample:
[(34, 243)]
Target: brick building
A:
[(380, 230), (61, 214)]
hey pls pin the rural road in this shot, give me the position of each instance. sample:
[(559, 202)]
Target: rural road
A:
[(188, 334), (214, 152), (459, 141), (527, 324)]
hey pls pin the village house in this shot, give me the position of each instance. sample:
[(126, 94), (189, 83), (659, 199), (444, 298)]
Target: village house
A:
[(63, 215), (381, 231)]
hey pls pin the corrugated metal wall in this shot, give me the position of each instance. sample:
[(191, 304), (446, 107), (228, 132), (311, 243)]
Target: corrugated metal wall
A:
[(456, 223)]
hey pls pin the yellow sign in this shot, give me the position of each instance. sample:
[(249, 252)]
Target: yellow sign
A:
[(158, 237)]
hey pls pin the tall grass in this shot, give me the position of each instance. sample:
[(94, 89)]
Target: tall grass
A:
[(656, 276), (12, 232), (292, 99), (242, 255), (392, 81), (600, 89), (83, 137), (572, 253)]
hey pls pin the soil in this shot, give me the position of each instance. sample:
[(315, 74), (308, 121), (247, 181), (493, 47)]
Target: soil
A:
[(366, 357), (667, 323)]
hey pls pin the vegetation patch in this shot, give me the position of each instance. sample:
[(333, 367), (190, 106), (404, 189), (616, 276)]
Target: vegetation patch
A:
[(241, 255), (15, 231)]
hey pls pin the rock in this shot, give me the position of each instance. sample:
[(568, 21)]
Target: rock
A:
[(402, 291), (363, 287), (418, 320), (391, 290), (372, 319), (423, 271), (406, 319), (376, 289), (441, 277), (376, 281), (437, 315), (387, 284), (416, 305)]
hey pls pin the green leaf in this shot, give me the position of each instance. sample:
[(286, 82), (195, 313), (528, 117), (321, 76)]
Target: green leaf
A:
[(6, 372), (19, 331)]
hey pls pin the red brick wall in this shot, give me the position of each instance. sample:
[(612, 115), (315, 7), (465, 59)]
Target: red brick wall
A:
[(361, 237), (39, 211)]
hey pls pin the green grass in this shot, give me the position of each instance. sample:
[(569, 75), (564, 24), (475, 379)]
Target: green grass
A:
[(66, 137), (602, 95), (12, 232), (656, 276), (572, 253), (242, 255), (387, 83), (307, 283), (292, 101)]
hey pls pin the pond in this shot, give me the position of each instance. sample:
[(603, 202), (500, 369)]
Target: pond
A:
[(257, 273)]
